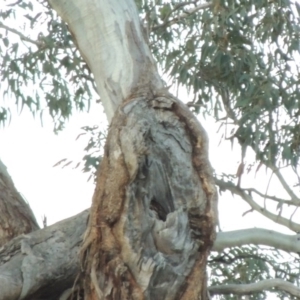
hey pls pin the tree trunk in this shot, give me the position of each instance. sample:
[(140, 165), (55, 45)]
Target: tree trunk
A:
[(153, 216), (16, 216)]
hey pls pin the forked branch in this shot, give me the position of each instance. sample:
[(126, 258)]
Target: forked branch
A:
[(294, 198), (255, 206)]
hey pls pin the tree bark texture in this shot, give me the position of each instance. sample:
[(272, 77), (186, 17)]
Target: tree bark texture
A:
[(43, 264), (16, 216), (153, 215)]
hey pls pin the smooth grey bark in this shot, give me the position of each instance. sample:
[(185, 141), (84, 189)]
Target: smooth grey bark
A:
[(111, 40), (263, 285), (257, 236)]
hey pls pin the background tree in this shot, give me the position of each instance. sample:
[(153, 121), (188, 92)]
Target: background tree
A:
[(239, 61)]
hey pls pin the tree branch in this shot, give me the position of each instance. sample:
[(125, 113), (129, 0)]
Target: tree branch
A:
[(38, 43), (246, 289), (239, 191), (184, 15), (294, 198), (257, 236), (274, 198)]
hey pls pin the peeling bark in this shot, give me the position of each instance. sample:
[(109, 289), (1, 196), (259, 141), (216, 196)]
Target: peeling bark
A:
[(16, 216), (43, 264), (153, 216)]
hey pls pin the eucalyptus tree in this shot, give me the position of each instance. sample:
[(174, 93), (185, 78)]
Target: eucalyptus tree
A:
[(151, 225)]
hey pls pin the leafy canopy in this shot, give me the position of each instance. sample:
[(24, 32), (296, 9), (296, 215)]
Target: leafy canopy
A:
[(40, 67), (239, 59)]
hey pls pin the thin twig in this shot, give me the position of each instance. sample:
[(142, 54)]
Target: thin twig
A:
[(286, 186), (268, 185), (254, 205), (38, 43), (284, 201), (184, 15)]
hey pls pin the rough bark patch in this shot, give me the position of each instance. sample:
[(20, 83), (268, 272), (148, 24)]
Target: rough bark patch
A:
[(153, 216), (16, 216), (44, 263)]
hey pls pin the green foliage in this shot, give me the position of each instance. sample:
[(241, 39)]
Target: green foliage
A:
[(240, 59), (40, 67)]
